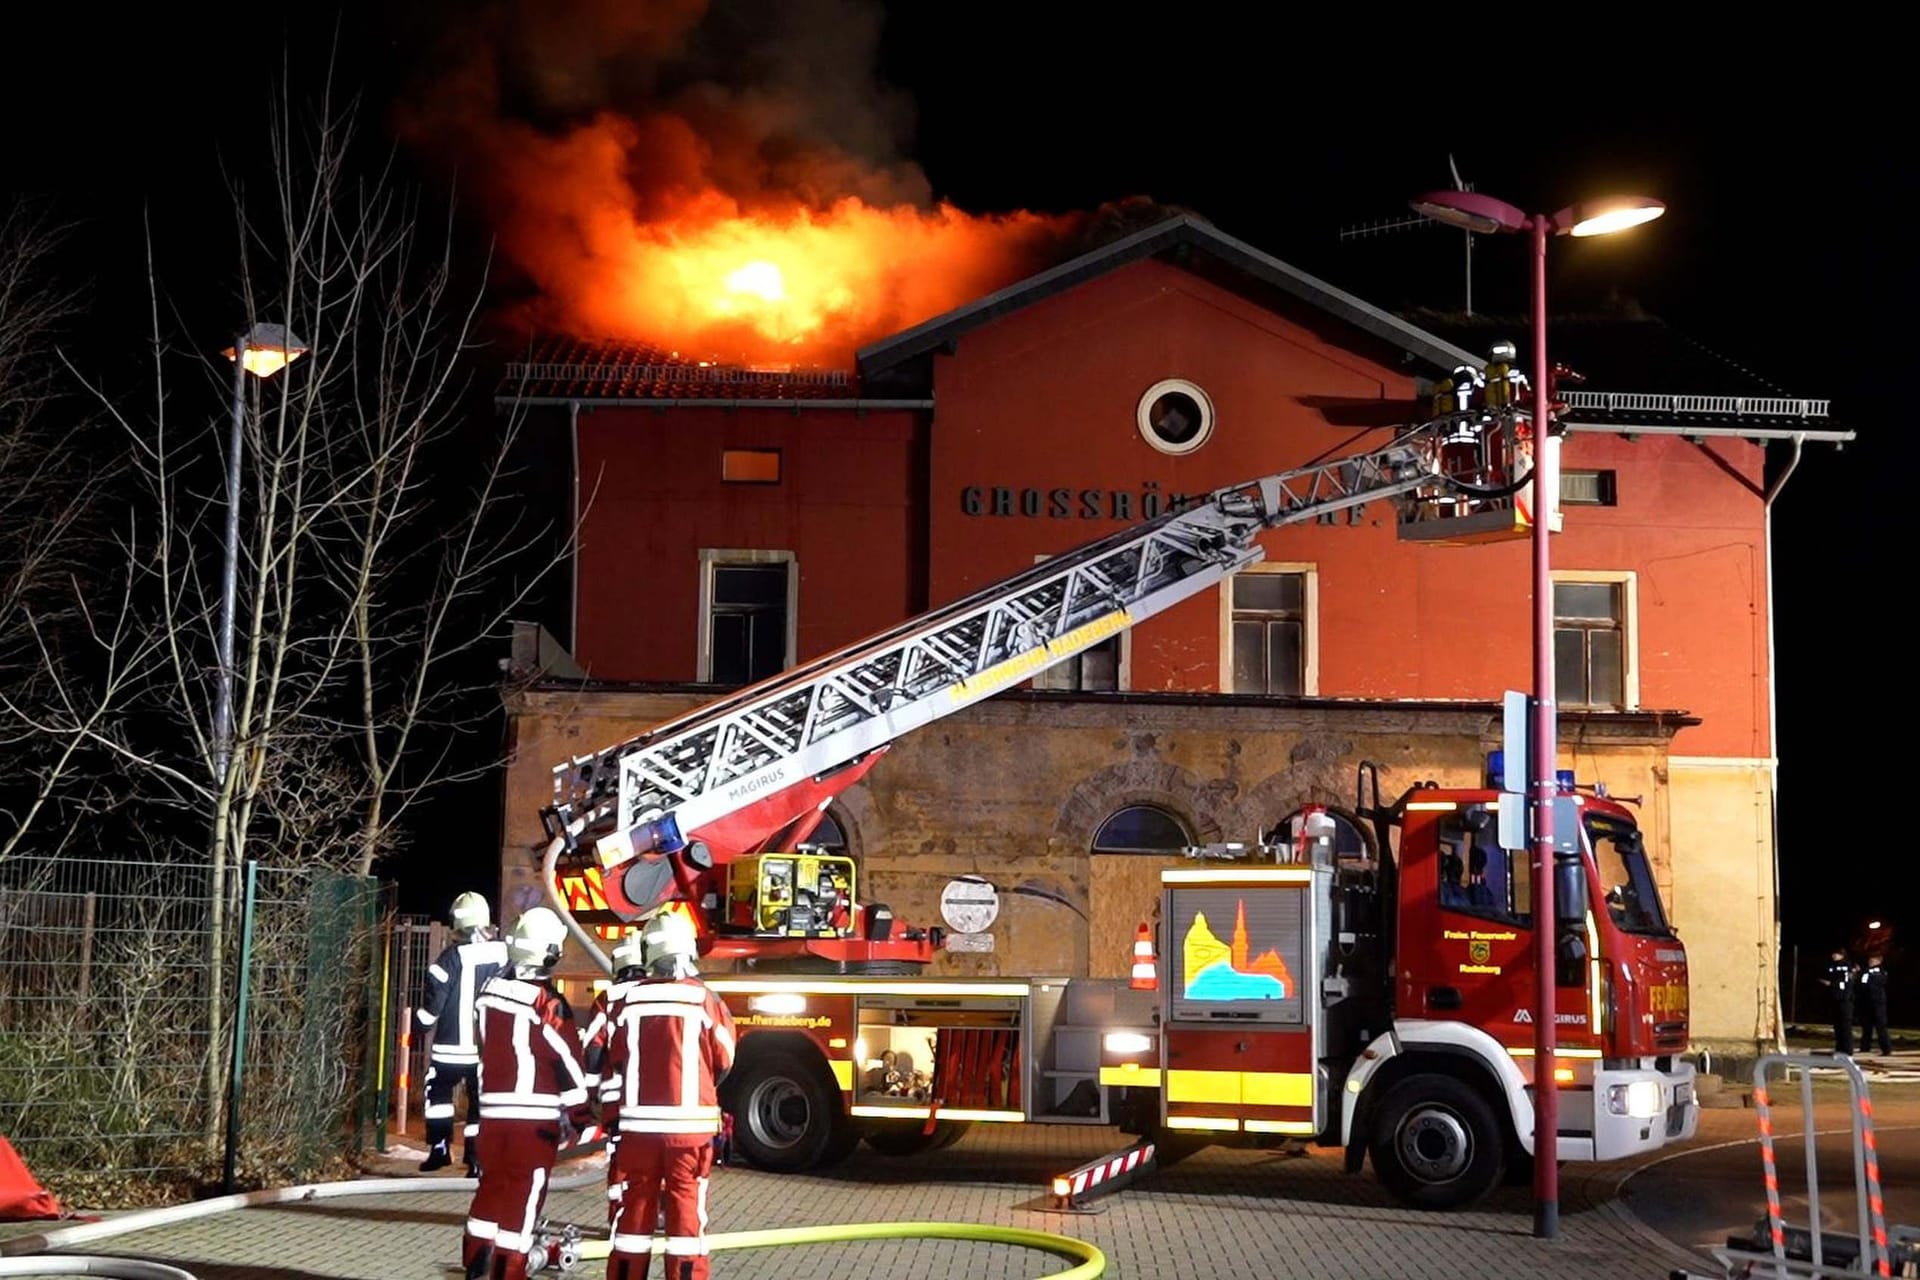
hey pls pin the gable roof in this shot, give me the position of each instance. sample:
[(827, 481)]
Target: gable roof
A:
[(1191, 243)]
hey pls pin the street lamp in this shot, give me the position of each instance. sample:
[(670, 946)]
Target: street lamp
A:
[(262, 351), (1472, 211)]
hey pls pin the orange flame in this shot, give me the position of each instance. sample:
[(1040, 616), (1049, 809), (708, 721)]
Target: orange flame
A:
[(725, 182), (714, 276)]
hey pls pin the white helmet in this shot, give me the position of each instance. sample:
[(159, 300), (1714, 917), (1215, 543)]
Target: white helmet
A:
[(470, 912), (670, 944), (538, 937), (630, 952)]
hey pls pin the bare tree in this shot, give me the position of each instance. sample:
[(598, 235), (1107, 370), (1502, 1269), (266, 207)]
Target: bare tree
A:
[(297, 611), (49, 481)]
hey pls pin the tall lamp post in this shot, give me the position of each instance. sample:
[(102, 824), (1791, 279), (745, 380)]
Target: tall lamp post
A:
[(1471, 211), (262, 351)]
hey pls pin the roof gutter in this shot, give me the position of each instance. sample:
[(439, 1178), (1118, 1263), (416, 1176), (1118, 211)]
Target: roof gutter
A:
[(628, 402)]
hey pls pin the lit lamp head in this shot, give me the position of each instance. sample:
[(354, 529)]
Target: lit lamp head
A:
[(267, 349), (1472, 211)]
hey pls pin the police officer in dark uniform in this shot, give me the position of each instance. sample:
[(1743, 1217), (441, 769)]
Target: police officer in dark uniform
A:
[(1840, 979), (1873, 985)]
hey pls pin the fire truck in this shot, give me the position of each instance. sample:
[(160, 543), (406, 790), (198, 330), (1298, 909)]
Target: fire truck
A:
[(1372, 993)]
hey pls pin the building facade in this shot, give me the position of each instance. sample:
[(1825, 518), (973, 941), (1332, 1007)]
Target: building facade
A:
[(733, 522)]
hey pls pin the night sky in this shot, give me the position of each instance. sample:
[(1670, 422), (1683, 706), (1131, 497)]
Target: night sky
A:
[(1783, 248)]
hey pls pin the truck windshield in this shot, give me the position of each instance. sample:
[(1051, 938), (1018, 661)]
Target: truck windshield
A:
[(1626, 877)]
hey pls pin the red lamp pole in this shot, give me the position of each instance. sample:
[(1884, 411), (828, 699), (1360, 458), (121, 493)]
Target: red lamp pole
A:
[(1546, 925), (1473, 211)]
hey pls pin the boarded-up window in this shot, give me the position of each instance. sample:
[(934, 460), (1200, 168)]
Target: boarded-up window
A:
[(750, 466)]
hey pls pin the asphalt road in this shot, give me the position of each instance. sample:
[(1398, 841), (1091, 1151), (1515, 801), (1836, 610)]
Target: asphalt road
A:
[(1700, 1196)]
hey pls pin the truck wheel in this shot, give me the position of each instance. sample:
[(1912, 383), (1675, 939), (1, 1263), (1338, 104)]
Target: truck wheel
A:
[(909, 1137), (1436, 1144), (786, 1117)]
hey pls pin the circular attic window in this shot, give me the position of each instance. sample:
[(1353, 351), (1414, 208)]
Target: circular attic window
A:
[(1175, 416)]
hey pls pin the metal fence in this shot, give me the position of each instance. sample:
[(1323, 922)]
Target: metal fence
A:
[(117, 1018)]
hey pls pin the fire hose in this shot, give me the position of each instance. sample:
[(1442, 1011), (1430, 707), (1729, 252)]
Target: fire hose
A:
[(1089, 1261), (31, 1255)]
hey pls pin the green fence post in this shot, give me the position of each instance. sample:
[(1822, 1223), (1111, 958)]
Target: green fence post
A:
[(239, 1031), (383, 1074)]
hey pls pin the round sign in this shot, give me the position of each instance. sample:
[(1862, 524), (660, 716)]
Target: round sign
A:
[(969, 906)]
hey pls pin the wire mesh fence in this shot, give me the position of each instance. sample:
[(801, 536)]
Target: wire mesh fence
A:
[(119, 988)]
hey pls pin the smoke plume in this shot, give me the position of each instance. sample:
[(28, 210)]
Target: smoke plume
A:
[(729, 182)]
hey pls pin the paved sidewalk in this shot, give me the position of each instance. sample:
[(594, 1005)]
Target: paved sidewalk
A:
[(1231, 1214)]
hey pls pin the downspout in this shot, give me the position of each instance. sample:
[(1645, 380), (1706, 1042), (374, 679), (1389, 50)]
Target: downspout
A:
[(573, 533), (1773, 743)]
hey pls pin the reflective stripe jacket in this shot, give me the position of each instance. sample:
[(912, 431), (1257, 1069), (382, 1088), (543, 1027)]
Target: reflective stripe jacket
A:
[(454, 983), (529, 1053), (593, 1042), (669, 1045)]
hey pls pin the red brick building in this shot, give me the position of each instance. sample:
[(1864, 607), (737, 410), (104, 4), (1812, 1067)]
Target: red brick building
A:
[(732, 522)]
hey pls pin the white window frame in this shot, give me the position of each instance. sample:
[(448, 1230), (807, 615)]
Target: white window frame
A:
[(1123, 678), (714, 557), (1310, 628), (1629, 582)]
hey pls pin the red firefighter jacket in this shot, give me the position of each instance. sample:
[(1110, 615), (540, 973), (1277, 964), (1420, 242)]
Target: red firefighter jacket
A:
[(529, 1052), (669, 1045)]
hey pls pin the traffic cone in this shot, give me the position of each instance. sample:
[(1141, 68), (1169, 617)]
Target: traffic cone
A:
[(1146, 974), (21, 1198)]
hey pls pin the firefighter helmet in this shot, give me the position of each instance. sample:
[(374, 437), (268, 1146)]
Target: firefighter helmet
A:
[(1503, 352), (470, 912), (671, 944), (630, 952), (538, 937)]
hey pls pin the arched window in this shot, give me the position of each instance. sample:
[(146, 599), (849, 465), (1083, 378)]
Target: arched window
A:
[(827, 837), (1349, 841), (1141, 828)]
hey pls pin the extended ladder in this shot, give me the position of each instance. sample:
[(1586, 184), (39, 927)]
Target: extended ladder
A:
[(820, 716)]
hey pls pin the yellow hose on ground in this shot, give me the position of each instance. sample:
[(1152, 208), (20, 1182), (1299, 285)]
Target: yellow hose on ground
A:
[(1090, 1261)]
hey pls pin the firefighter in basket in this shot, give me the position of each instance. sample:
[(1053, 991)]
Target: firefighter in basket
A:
[(532, 1090), (453, 1059), (670, 1046)]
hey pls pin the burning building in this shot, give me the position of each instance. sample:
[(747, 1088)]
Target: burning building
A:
[(805, 400), (735, 520)]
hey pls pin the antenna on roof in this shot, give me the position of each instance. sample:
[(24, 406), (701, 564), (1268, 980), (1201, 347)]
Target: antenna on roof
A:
[(1387, 226)]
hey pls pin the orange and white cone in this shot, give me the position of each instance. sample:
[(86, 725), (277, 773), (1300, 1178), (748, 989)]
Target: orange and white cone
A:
[(1146, 973)]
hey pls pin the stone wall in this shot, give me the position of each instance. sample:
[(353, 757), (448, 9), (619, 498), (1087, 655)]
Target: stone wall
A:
[(1014, 789)]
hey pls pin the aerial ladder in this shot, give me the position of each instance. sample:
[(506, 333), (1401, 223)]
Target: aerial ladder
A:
[(666, 819)]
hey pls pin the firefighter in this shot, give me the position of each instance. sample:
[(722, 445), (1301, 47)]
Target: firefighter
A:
[(1840, 978), (629, 967), (1505, 382), (1873, 985), (456, 979), (670, 1047), (532, 1087)]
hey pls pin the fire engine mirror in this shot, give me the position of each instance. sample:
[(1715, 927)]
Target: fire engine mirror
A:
[(1570, 890)]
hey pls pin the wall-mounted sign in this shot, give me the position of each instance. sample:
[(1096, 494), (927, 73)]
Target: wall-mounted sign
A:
[(969, 942), (969, 906), (1146, 503)]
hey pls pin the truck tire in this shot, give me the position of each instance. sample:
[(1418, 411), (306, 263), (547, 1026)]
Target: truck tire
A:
[(909, 1137), (787, 1114), (1436, 1143)]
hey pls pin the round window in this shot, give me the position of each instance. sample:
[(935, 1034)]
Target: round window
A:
[(1175, 416)]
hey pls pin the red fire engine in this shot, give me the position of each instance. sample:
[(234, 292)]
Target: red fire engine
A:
[(1376, 997)]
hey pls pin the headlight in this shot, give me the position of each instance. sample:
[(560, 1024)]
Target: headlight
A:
[(1126, 1042), (1640, 1100), (780, 1004)]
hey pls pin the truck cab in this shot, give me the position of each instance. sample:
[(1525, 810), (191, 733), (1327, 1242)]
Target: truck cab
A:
[(1463, 995)]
